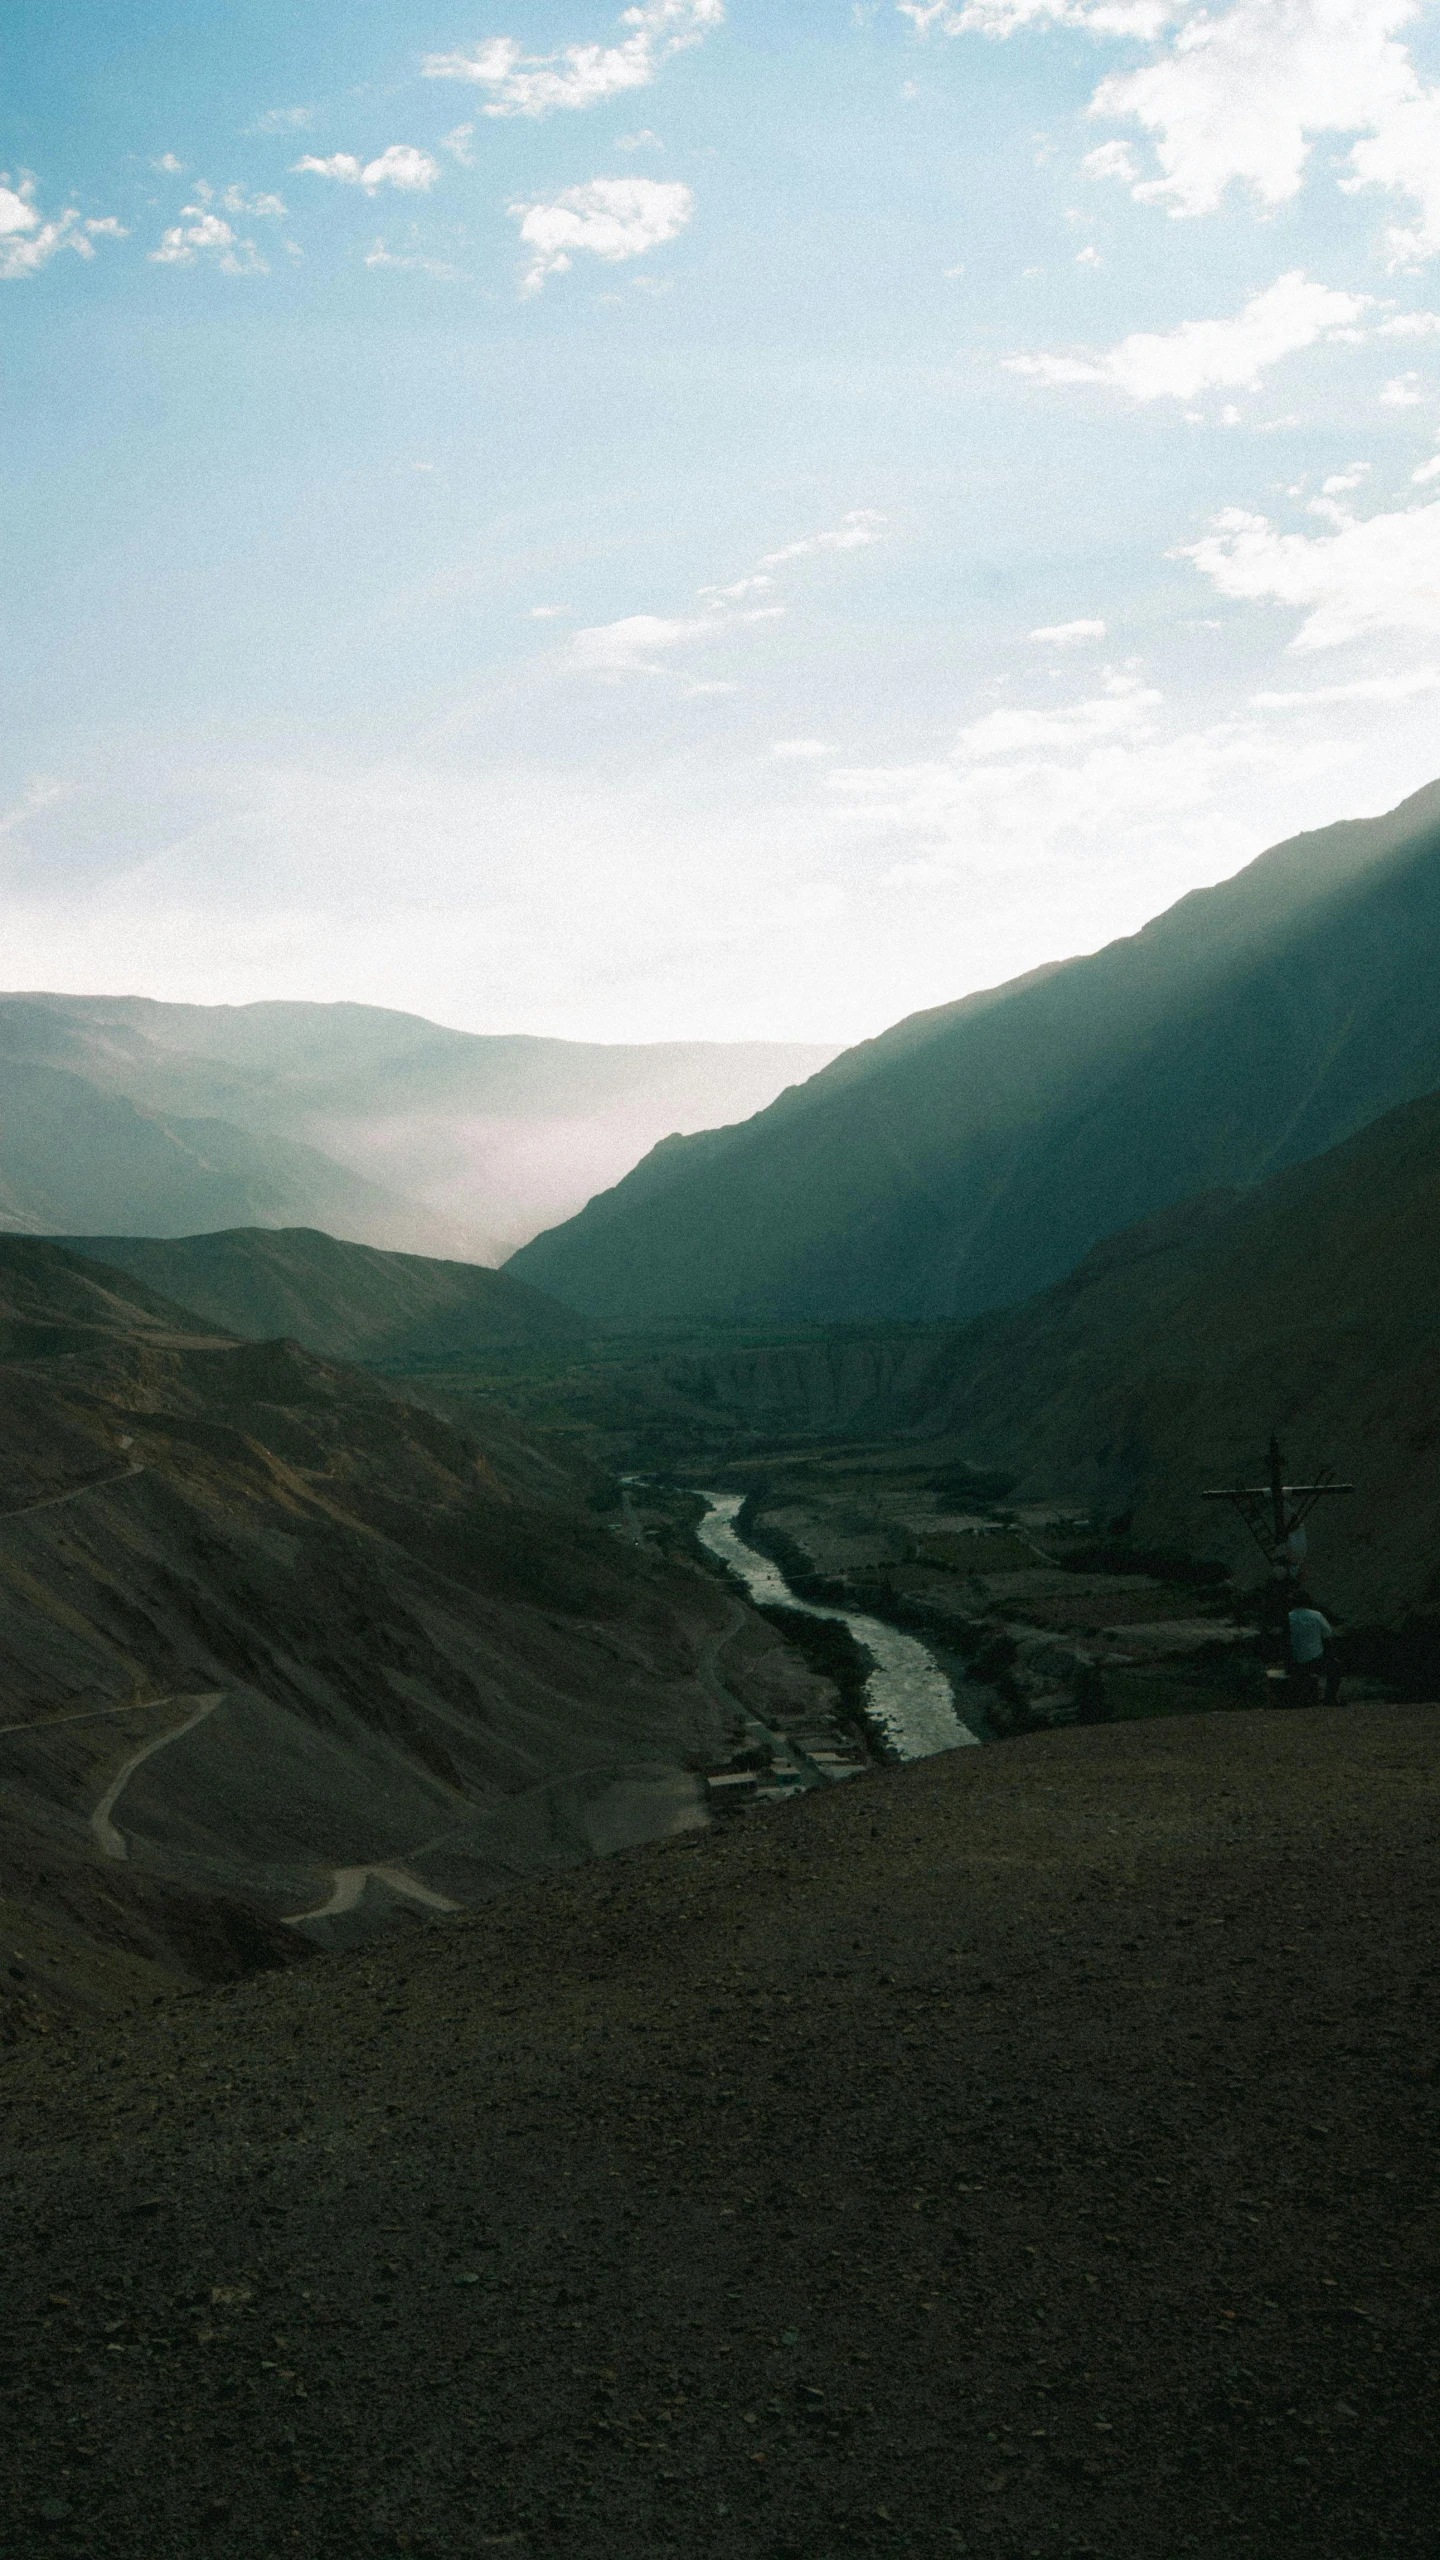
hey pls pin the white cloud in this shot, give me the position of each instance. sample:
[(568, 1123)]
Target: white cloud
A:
[(1124, 708), (1411, 324), (1404, 155), (800, 750), (1427, 471), (547, 612), (235, 200), (1025, 794), (1202, 355), (1237, 96), (203, 234), (284, 120), (634, 645), (1398, 688), (1144, 18), (580, 75), (1379, 573), (168, 165), (28, 241), (1403, 392), (1341, 482), (1065, 635), (855, 533), (413, 263), (398, 165), (737, 592), (610, 218), (458, 142), (644, 140)]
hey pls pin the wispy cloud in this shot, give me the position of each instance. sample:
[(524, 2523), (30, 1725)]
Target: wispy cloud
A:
[(639, 643), (579, 75), (400, 165), (203, 234), (1204, 355), (41, 793), (1146, 18), (1068, 635), (610, 218), (284, 120), (1373, 573), (854, 533), (28, 241), (1407, 687), (412, 262)]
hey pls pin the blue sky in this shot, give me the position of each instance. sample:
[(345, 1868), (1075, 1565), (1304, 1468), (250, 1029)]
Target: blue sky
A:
[(706, 520)]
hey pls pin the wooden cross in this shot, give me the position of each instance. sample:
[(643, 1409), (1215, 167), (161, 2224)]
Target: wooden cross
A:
[(1287, 1504)]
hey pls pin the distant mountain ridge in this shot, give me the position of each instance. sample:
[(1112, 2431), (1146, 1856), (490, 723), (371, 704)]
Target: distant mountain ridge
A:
[(344, 1301), (121, 1114), (973, 1154)]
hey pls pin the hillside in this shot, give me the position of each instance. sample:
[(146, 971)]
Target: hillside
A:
[(374, 1125), (281, 1651), (1310, 1306), (1029, 2151), (972, 1155), (346, 1301)]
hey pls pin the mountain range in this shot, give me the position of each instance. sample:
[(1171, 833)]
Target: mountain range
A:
[(972, 1155), (119, 1115)]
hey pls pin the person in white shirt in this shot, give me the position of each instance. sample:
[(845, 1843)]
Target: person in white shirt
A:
[(1308, 1639)]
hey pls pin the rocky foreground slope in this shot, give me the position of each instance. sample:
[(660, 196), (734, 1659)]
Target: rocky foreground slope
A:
[(1030, 2151)]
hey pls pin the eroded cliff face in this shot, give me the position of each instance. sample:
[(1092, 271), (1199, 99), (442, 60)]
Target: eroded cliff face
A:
[(279, 1647)]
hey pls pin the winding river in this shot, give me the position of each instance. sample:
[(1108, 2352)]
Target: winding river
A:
[(907, 1695)]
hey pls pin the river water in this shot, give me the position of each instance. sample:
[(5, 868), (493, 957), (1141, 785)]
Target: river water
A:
[(907, 1695)]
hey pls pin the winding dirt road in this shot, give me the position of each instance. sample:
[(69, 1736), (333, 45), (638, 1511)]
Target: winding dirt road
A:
[(111, 1841)]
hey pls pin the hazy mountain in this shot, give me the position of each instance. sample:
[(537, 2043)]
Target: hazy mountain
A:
[(346, 1301), (376, 1125), (972, 1154), (74, 1154)]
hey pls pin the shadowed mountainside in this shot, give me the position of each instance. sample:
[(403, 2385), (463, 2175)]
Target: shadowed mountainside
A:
[(117, 1113), (971, 1155), (1160, 1364), (346, 1301), (274, 1643)]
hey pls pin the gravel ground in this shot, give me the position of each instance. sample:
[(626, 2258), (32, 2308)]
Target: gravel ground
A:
[(1029, 2152)]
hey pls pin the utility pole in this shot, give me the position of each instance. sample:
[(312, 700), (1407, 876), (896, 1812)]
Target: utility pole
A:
[(1275, 1512)]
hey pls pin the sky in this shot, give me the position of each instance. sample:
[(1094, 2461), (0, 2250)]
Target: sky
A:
[(705, 519)]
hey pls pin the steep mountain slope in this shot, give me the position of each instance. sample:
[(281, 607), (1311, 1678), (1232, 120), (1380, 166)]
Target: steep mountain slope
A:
[(971, 1155), (278, 1649), (450, 1143), (1160, 1365), (74, 1155), (345, 1301)]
